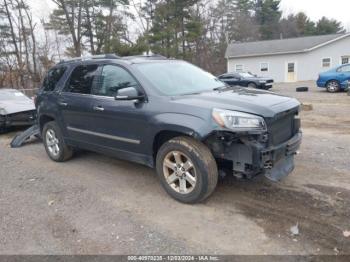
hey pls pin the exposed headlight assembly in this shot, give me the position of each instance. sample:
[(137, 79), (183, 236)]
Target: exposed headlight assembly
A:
[(238, 121)]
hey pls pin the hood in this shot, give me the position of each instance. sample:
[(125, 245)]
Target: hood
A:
[(17, 106), (263, 103)]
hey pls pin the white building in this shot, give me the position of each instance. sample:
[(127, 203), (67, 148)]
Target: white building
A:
[(290, 60)]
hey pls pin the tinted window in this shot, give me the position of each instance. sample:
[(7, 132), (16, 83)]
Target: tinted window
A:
[(245, 75), (345, 68), (52, 78), (111, 80), (226, 77), (82, 79)]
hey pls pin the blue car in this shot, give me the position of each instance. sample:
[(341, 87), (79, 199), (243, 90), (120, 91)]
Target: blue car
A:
[(336, 79)]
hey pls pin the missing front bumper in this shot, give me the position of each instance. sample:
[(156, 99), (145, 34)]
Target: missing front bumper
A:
[(250, 157), (281, 169)]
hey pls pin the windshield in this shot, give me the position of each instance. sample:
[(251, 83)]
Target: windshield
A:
[(11, 95), (246, 75), (179, 78)]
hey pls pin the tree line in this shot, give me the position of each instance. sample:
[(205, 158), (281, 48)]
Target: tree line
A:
[(194, 30)]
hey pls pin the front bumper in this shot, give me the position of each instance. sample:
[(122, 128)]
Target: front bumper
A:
[(18, 119), (250, 156)]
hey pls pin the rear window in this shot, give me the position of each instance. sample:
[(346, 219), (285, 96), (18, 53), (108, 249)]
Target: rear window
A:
[(52, 78)]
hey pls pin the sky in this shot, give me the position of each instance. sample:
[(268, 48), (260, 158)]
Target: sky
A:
[(315, 9)]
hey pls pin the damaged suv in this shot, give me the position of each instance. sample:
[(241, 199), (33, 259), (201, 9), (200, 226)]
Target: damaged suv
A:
[(169, 115)]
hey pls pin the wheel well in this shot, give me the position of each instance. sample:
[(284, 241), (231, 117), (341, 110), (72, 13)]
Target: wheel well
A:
[(43, 120), (332, 80), (163, 137)]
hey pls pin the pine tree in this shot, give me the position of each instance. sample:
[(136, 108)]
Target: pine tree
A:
[(328, 26), (268, 17)]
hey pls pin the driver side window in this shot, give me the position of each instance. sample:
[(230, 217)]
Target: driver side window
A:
[(111, 80)]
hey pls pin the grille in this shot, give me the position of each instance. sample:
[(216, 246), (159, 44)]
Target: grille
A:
[(281, 130)]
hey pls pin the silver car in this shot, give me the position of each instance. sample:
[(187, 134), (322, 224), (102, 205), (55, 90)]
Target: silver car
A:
[(16, 109)]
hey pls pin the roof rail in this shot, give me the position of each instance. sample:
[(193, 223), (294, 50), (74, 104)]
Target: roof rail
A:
[(103, 56), (154, 56)]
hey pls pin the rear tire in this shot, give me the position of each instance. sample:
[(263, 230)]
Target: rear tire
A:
[(54, 143), (187, 170), (333, 86)]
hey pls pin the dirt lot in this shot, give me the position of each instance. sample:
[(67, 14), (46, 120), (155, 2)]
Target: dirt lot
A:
[(94, 204)]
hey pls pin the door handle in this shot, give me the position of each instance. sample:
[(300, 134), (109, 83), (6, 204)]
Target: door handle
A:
[(98, 108), (63, 103)]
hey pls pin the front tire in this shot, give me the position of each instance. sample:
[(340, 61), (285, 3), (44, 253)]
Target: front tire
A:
[(187, 170), (333, 86), (252, 85), (54, 143)]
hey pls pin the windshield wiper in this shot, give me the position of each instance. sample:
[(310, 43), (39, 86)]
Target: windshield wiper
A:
[(222, 88)]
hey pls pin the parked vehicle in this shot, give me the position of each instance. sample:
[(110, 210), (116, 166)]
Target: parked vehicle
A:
[(16, 109), (170, 115), (336, 79), (247, 79)]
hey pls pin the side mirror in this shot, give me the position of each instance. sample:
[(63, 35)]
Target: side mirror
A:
[(129, 93)]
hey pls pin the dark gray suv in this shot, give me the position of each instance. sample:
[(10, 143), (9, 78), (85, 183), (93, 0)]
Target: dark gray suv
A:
[(170, 115)]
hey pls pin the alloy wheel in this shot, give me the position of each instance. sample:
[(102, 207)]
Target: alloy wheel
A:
[(333, 87), (179, 172), (52, 143)]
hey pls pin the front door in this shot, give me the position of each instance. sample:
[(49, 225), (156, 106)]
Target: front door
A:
[(291, 72), (119, 125), (344, 73), (231, 80)]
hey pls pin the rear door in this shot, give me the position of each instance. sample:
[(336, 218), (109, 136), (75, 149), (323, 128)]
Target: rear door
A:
[(75, 102)]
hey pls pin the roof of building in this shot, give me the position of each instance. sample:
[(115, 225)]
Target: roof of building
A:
[(280, 46)]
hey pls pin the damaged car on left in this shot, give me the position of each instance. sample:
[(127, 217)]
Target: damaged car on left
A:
[(16, 109)]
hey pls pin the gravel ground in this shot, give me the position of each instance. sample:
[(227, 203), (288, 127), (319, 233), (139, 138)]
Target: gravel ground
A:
[(94, 204)]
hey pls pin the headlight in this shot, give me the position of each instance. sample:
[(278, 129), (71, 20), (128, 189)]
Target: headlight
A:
[(238, 121), (262, 82)]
